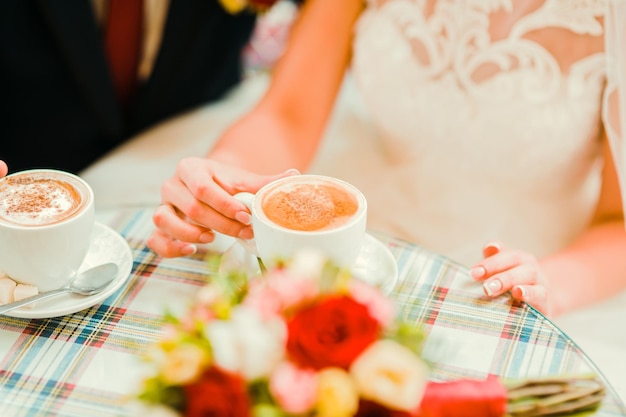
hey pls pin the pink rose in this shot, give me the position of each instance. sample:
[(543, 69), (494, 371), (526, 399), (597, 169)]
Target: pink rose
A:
[(278, 292), (379, 306), (294, 389)]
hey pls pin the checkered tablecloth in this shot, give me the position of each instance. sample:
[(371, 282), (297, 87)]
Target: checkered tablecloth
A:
[(87, 364)]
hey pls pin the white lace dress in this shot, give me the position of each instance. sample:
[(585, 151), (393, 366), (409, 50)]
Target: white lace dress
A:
[(483, 121)]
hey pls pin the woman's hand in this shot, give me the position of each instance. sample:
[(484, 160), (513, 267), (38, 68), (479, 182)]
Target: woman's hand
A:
[(4, 170), (516, 271), (198, 200)]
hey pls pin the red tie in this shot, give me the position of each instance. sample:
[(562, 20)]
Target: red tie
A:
[(123, 38)]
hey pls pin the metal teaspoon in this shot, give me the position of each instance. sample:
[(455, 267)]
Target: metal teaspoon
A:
[(88, 282)]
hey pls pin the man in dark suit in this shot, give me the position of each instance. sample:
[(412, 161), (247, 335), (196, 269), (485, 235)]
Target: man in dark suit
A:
[(58, 102)]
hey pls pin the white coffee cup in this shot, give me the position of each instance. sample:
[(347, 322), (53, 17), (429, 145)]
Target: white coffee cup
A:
[(307, 212), (46, 220)]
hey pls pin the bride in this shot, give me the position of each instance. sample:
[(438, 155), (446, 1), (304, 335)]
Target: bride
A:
[(481, 137)]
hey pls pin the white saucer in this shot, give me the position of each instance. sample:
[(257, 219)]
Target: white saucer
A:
[(106, 246), (375, 264)]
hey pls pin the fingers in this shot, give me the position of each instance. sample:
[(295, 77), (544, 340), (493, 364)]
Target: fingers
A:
[(508, 266), (4, 170), (170, 222), (194, 211), (289, 173), (203, 191), (515, 271), (535, 295), (167, 247), (235, 180), (501, 282), (197, 192), (490, 249)]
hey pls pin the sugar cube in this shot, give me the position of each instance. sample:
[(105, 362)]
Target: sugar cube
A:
[(23, 291), (7, 288)]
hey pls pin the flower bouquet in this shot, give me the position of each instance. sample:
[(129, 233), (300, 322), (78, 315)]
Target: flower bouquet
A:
[(308, 339)]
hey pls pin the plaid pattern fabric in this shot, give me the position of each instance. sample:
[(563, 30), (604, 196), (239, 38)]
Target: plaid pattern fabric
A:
[(88, 364)]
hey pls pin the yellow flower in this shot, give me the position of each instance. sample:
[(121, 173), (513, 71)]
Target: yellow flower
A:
[(234, 6), (183, 364), (390, 374), (337, 394)]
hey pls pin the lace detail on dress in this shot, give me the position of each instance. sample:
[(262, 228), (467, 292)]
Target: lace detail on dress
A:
[(579, 16), (456, 38), (501, 94)]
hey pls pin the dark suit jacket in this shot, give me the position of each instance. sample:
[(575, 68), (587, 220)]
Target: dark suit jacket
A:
[(58, 107)]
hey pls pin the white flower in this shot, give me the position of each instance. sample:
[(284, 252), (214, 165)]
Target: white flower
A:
[(307, 264), (390, 374), (209, 294), (247, 344)]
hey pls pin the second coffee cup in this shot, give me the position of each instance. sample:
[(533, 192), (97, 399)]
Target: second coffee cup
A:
[(46, 219), (307, 212)]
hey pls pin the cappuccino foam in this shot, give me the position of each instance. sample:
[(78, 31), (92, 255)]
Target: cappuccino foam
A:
[(36, 200), (310, 207)]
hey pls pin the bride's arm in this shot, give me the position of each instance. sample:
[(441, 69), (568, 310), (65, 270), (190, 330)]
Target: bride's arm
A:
[(284, 130), (594, 266), (614, 110)]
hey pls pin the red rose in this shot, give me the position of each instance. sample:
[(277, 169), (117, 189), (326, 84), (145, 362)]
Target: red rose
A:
[(217, 394), (332, 332)]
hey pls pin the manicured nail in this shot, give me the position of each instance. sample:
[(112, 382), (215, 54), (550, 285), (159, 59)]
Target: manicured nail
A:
[(243, 217), (519, 291), (246, 233), (478, 272), (292, 171), (189, 249), (206, 237), (491, 248), (492, 286), (493, 245)]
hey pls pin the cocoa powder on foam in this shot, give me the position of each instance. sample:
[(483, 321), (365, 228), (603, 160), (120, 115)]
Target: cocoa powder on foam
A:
[(31, 201), (310, 207)]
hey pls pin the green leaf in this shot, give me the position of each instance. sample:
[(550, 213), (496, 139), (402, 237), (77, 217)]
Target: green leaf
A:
[(410, 336), (156, 392), (267, 410)]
